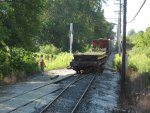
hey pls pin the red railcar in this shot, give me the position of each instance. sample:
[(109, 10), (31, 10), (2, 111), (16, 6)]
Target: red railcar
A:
[(103, 43)]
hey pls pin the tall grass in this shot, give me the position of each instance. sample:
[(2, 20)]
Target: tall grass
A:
[(139, 60), (61, 60)]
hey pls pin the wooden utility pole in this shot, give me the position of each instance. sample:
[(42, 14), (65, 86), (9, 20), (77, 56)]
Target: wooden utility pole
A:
[(120, 14), (119, 45), (119, 29), (124, 41)]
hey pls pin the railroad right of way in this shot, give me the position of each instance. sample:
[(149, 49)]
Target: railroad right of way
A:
[(33, 96)]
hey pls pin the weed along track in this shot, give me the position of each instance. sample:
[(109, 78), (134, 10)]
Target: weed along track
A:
[(67, 101)]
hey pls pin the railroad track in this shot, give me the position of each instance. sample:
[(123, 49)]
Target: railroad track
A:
[(35, 89), (68, 100), (14, 98)]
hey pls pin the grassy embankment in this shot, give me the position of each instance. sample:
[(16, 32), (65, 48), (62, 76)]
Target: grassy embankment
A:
[(137, 87)]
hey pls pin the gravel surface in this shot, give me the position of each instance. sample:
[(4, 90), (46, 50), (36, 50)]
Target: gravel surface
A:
[(102, 96)]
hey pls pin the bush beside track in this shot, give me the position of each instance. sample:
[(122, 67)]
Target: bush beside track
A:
[(18, 63)]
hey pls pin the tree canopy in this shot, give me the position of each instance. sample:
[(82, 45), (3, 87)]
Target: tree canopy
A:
[(87, 17), (31, 23), (20, 21)]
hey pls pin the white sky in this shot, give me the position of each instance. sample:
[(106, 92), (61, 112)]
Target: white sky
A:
[(141, 22)]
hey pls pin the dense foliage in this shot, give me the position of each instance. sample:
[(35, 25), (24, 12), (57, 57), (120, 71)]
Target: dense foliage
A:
[(137, 84), (20, 21), (86, 16), (17, 60), (140, 50), (138, 54)]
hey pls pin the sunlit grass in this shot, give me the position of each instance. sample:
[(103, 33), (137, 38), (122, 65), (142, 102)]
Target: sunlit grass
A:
[(139, 59), (139, 62), (62, 60)]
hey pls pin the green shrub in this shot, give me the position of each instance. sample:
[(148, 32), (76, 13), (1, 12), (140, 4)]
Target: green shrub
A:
[(5, 68), (22, 60), (117, 62), (139, 62), (17, 60)]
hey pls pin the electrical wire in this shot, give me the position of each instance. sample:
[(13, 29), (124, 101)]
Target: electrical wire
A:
[(138, 11)]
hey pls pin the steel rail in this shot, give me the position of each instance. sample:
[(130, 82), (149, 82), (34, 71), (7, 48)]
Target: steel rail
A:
[(50, 103), (53, 82), (74, 109), (39, 97)]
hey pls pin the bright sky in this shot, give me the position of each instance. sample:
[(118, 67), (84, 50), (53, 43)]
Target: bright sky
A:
[(141, 22)]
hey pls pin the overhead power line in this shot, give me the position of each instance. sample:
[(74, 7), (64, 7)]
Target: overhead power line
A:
[(138, 11)]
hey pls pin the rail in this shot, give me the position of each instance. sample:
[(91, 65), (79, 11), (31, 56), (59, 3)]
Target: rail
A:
[(50, 103)]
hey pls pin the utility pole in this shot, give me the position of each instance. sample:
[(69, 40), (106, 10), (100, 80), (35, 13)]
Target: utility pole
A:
[(119, 28), (124, 41), (120, 15)]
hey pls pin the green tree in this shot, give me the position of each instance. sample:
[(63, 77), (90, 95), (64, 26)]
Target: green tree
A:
[(20, 22), (139, 39), (146, 40), (87, 17)]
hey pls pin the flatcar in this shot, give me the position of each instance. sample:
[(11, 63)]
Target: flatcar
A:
[(92, 61)]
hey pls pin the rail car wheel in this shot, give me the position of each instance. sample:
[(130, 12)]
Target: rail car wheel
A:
[(82, 71), (77, 71)]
